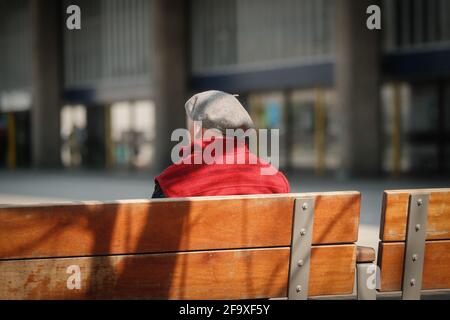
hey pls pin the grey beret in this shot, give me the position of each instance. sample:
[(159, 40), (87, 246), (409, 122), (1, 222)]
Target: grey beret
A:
[(219, 110)]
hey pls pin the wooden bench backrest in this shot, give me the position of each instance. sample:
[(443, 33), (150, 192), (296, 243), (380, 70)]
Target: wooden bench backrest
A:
[(216, 247), (391, 252)]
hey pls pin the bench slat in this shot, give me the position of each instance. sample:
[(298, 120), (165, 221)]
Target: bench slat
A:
[(223, 274), (395, 212), (170, 225), (436, 272)]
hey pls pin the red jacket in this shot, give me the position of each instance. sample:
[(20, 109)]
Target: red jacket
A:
[(195, 180)]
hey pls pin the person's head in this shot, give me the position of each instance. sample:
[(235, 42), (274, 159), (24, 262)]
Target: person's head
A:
[(217, 110)]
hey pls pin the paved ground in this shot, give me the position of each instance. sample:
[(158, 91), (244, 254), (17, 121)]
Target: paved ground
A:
[(24, 186)]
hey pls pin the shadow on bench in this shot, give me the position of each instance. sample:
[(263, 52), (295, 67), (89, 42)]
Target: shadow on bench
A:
[(242, 247)]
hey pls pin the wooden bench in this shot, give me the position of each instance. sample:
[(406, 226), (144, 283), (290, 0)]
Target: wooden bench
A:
[(241, 247), (414, 248)]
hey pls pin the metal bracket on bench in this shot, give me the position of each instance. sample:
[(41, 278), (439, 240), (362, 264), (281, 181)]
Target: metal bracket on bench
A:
[(416, 232), (302, 232)]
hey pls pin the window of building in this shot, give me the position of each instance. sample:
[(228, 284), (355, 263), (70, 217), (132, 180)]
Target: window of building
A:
[(73, 135), (314, 129), (132, 134), (415, 126), (268, 112)]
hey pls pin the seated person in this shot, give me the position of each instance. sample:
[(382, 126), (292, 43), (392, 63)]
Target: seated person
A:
[(191, 178)]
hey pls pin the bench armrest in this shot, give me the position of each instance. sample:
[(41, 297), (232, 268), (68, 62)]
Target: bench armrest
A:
[(365, 254), (365, 257)]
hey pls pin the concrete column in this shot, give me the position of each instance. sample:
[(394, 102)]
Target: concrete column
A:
[(46, 82), (357, 76), (169, 79)]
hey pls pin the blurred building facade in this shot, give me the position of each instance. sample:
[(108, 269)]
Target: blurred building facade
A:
[(345, 98)]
